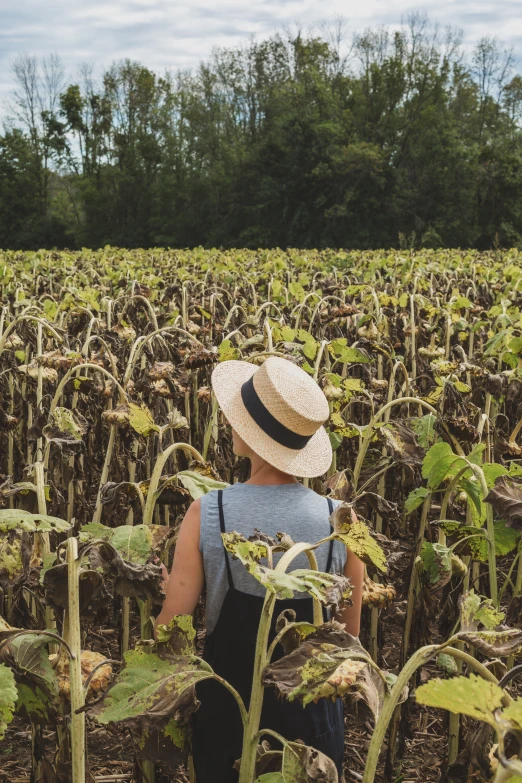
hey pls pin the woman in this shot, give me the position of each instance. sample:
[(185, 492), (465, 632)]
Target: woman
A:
[(276, 412)]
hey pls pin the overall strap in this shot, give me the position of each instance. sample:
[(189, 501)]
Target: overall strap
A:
[(330, 551), (223, 530)]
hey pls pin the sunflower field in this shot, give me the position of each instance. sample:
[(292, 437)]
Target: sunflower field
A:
[(109, 430)]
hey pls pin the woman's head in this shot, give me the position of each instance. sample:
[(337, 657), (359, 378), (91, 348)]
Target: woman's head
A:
[(239, 447), (279, 409)]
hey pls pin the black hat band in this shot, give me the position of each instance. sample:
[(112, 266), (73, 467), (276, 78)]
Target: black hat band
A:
[(268, 423)]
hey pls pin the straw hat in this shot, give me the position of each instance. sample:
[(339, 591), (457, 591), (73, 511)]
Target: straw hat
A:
[(278, 410)]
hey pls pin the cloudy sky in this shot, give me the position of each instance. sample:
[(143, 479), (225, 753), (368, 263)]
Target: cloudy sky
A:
[(167, 33)]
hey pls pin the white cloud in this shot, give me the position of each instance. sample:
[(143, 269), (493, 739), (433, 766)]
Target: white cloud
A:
[(172, 34)]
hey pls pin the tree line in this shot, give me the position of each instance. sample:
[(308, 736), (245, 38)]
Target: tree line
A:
[(320, 139)]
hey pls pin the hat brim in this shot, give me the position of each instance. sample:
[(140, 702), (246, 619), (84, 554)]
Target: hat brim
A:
[(312, 460)]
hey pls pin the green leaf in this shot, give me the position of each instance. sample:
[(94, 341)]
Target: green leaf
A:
[(475, 610), (461, 303), (179, 635), (492, 471), (437, 452), (297, 291), (271, 777), (8, 696), (65, 423), (513, 713), (496, 343), (141, 420), (436, 563), (472, 696), (476, 454), (288, 334), (151, 690), (335, 439), (515, 345), (415, 499), (447, 663), (28, 658), (506, 539), (511, 359), (227, 351), (472, 489), (310, 349), (437, 463), (343, 353), (198, 484), (135, 543), (424, 428), (277, 288), (17, 519)]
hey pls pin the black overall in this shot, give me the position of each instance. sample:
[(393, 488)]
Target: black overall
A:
[(230, 649)]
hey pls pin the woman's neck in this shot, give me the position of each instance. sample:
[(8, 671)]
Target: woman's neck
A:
[(263, 473)]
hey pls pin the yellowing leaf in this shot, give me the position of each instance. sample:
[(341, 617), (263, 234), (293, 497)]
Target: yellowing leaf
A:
[(356, 536), (472, 696), (227, 351), (8, 696), (463, 388), (140, 419), (353, 384)]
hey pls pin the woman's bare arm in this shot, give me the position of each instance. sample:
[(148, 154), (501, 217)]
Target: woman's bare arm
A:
[(351, 615), (187, 575)]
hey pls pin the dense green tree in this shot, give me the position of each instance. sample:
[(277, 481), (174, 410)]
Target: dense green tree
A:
[(292, 141)]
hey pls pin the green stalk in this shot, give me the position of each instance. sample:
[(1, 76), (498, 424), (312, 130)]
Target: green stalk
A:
[(75, 665), (492, 556), (61, 386), (269, 340), (43, 538), (249, 751), (105, 473), (490, 529), (125, 629), (368, 432), (391, 699), (374, 611), (211, 426), (39, 388), (147, 306), (448, 335), (413, 580), (13, 324), (162, 458), (250, 733), (10, 437), (454, 718), (413, 345)]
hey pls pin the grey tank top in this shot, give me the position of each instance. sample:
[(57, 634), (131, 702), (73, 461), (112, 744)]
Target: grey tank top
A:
[(285, 508)]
